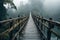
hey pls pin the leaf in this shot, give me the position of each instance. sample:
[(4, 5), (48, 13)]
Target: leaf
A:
[(11, 2)]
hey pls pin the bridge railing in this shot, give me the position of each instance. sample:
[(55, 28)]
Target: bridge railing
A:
[(49, 29), (11, 27)]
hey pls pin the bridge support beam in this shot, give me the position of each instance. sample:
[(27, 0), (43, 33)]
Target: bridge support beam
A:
[(51, 25)]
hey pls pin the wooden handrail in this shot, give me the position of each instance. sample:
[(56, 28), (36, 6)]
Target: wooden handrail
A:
[(11, 20), (55, 22), (18, 31), (13, 27), (56, 33), (52, 22)]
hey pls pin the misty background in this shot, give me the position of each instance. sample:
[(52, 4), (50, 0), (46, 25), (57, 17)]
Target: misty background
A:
[(45, 8)]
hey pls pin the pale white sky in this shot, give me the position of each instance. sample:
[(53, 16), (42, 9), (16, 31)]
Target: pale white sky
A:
[(18, 2)]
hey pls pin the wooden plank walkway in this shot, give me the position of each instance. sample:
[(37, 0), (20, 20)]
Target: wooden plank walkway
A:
[(30, 32)]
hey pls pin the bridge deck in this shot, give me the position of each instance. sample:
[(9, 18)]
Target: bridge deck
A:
[(30, 32)]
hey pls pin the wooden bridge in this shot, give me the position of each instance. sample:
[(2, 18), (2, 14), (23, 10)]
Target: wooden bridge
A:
[(29, 28)]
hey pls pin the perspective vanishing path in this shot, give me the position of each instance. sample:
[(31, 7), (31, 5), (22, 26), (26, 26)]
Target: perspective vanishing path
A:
[(30, 32)]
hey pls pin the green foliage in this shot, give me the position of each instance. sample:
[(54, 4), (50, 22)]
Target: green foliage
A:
[(3, 9), (11, 2), (2, 12)]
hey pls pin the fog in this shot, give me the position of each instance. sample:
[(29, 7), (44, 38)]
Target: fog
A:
[(45, 8), (52, 8)]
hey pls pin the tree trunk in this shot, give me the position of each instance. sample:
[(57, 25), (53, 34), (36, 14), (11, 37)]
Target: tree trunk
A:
[(2, 11)]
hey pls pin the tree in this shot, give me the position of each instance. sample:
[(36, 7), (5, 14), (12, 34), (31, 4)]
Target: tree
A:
[(3, 13)]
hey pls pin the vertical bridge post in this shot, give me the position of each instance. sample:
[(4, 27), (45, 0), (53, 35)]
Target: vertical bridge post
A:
[(51, 25), (13, 27)]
